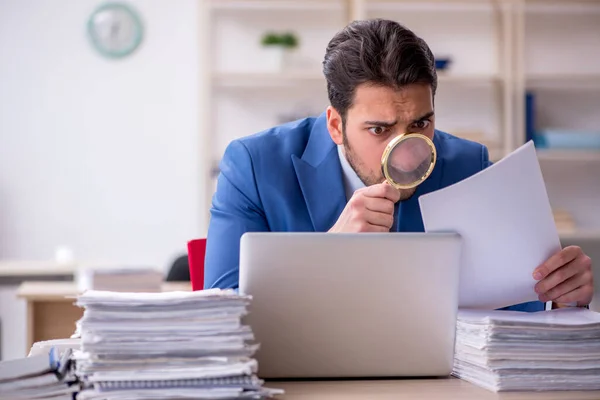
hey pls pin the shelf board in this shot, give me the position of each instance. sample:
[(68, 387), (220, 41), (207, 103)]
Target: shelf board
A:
[(294, 78), (262, 79), (580, 234), (563, 76), (568, 155), (563, 80), (277, 5), (449, 77), (431, 5), (562, 7), (562, 2)]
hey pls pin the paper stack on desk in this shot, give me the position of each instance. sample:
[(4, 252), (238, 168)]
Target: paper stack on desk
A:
[(170, 345), (62, 346), (547, 350), (45, 376)]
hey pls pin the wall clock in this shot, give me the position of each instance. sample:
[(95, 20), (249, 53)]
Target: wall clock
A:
[(115, 30)]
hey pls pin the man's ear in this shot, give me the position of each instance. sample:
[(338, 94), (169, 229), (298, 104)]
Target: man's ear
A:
[(334, 125)]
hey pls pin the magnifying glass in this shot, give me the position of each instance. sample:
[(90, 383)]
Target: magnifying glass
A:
[(408, 160)]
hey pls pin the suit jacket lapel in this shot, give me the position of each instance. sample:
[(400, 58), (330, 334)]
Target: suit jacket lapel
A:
[(319, 174), (409, 213)]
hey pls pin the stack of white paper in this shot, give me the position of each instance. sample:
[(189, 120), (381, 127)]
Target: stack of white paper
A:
[(547, 350), (170, 345)]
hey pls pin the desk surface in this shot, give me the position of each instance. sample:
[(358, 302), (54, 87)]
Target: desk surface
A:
[(430, 389), (56, 291)]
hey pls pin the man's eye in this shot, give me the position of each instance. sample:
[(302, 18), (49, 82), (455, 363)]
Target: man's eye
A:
[(420, 125), (377, 130)]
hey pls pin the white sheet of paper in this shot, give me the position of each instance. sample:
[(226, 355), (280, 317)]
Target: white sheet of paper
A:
[(504, 216)]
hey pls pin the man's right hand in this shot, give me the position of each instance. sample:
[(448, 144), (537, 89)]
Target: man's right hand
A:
[(370, 209)]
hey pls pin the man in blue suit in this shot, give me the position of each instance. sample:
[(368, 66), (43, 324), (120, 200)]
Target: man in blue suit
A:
[(323, 174)]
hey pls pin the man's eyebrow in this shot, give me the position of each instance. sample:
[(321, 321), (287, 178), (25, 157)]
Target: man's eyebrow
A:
[(428, 115), (389, 124), (384, 124)]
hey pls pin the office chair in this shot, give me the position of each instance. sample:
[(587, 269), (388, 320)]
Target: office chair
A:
[(180, 270)]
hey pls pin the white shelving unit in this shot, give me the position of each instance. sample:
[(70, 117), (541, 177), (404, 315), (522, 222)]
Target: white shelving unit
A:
[(557, 59), (499, 50)]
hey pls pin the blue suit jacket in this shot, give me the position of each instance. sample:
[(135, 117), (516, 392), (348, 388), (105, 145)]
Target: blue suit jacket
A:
[(289, 178)]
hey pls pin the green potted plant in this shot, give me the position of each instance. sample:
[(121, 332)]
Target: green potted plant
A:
[(277, 47)]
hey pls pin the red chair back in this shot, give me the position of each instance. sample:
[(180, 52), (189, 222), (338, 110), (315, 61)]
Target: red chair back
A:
[(196, 253)]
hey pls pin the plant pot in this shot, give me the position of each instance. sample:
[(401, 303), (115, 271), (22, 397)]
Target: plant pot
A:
[(275, 58)]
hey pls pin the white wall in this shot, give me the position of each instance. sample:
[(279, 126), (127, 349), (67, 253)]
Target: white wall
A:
[(96, 154)]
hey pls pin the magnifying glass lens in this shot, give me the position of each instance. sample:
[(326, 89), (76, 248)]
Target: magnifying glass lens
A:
[(410, 161)]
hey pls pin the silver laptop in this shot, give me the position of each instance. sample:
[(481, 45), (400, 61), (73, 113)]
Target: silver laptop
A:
[(352, 305)]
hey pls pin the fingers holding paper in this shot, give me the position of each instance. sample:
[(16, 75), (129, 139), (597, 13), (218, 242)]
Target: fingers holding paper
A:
[(566, 278)]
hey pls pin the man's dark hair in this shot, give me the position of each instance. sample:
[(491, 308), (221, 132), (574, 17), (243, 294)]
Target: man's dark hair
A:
[(377, 51)]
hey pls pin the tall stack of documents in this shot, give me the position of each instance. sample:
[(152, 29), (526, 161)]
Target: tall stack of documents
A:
[(547, 350), (169, 345), (45, 376)]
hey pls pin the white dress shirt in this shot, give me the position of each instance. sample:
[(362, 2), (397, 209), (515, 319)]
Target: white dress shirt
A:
[(351, 180)]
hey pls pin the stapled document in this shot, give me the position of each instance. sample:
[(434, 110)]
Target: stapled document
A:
[(505, 218)]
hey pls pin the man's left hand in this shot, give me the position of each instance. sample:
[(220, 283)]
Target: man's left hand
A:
[(566, 278)]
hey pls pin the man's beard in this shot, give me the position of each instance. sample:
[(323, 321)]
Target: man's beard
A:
[(369, 179)]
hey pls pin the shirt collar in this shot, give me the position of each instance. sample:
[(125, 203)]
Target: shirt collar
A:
[(351, 180)]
